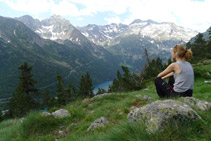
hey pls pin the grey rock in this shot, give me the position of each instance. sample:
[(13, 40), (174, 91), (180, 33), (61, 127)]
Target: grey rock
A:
[(160, 113), (209, 104), (86, 100), (98, 123), (45, 114), (200, 104), (61, 132), (74, 124), (145, 97), (21, 120), (61, 113), (101, 95), (139, 96)]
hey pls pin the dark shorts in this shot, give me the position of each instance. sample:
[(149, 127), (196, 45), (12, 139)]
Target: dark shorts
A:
[(165, 90)]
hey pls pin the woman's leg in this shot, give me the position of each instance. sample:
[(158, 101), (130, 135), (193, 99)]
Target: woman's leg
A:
[(171, 81), (163, 89)]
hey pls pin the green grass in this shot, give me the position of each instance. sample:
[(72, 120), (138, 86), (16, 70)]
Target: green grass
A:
[(115, 108)]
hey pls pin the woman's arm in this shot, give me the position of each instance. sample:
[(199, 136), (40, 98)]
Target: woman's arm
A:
[(168, 70), (168, 75)]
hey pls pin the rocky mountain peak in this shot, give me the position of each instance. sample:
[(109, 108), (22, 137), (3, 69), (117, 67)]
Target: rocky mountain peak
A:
[(54, 28), (139, 21), (30, 22)]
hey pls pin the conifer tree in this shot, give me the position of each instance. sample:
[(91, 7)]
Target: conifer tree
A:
[(208, 48), (126, 82), (60, 90), (82, 86), (52, 102), (188, 45), (64, 94), (101, 91), (1, 115), (198, 47), (46, 98), (209, 31), (85, 87), (89, 86), (71, 91), (23, 96)]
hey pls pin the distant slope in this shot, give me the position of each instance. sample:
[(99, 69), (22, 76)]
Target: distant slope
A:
[(18, 43), (129, 41), (205, 35)]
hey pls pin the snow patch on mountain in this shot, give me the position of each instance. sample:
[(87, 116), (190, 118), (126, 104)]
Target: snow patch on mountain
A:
[(156, 31)]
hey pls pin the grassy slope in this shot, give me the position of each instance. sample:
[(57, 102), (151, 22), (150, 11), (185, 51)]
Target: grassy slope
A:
[(115, 108)]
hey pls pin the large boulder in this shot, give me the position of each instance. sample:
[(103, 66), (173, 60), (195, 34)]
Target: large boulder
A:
[(200, 104), (61, 113), (160, 113), (98, 123)]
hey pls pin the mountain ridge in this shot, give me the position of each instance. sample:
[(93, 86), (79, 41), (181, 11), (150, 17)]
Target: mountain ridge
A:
[(138, 27), (157, 38), (18, 44)]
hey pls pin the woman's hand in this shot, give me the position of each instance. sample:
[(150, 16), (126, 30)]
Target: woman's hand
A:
[(168, 75)]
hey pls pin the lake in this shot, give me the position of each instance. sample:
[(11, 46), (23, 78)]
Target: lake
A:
[(104, 85)]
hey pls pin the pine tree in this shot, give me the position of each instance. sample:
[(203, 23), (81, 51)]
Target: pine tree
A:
[(23, 96), (101, 91), (85, 87), (82, 87), (208, 48), (209, 31), (1, 115), (52, 102), (89, 85), (188, 45), (126, 82), (119, 83), (199, 47), (64, 94), (60, 90), (46, 98), (71, 91), (147, 57)]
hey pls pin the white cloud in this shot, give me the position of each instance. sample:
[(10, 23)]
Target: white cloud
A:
[(65, 8), (94, 6), (80, 19), (187, 13), (33, 6), (113, 20)]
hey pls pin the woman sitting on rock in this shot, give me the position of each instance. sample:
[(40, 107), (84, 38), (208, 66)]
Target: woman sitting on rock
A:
[(180, 74)]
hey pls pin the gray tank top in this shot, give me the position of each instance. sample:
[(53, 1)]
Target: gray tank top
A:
[(184, 80)]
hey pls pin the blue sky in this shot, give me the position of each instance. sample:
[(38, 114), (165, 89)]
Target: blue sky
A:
[(193, 14)]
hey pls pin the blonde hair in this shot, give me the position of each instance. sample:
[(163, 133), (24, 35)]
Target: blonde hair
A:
[(182, 52)]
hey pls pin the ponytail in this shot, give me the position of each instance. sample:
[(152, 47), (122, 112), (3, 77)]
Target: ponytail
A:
[(182, 52), (188, 55)]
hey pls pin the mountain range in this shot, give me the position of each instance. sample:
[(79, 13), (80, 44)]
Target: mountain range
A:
[(129, 41), (125, 41), (156, 31), (18, 44), (54, 44)]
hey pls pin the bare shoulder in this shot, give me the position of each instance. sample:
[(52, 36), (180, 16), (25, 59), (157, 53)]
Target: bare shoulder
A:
[(173, 65), (176, 68)]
